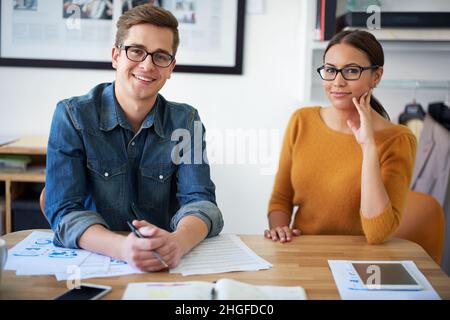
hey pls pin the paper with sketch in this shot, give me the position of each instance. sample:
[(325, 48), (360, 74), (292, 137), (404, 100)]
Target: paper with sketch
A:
[(94, 264), (36, 255), (115, 268), (340, 271), (37, 252), (223, 289), (224, 253)]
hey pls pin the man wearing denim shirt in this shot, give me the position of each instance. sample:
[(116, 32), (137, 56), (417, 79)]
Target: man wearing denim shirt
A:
[(112, 157)]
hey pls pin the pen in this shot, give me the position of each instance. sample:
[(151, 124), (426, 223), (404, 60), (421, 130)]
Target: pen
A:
[(139, 235)]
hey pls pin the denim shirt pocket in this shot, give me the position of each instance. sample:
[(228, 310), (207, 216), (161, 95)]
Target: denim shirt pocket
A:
[(155, 185), (107, 179)]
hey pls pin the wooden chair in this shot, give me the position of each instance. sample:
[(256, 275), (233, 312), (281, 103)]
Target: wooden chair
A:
[(423, 222), (42, 201)]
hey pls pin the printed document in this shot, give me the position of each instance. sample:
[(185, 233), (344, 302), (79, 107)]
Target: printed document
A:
[(224, 253)]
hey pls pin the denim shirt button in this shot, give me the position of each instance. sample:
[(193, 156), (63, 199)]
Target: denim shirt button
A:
[(106, 174), (161, 177), (133, 143)]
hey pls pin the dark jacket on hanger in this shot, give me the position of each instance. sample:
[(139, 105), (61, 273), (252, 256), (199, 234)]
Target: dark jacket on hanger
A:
[(412, 117), (441, 113)]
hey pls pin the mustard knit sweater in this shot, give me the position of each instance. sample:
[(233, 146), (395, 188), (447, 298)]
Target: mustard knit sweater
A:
[(320, 174)]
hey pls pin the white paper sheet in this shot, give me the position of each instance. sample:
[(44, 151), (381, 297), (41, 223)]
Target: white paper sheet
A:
[(94, 264), (339, 268), (36, 253), (115, 268), (224, 253)]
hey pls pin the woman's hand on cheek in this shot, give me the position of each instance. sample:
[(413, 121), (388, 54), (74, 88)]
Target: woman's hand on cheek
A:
[(364, 134)]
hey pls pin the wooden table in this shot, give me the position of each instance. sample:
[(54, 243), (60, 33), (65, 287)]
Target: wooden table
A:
[(302, 262)]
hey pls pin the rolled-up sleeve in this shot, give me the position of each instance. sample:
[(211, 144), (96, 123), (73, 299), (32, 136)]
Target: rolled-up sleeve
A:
[(65, 185), (207, 211), (73, 225), (195, 189)]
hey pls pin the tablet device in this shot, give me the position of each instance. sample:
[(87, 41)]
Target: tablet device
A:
[(86, 291), (393, 275)]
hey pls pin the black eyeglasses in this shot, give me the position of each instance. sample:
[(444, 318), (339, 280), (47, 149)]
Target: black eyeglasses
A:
[(138, 54), (329, 73)]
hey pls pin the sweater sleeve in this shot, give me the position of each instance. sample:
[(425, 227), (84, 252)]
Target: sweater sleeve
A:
[(283, 192), (397, 165)]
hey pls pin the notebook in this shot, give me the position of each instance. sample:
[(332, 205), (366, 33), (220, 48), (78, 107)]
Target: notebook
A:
[(223, 289)]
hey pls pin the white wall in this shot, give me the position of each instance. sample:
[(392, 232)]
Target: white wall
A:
[(260, 101)]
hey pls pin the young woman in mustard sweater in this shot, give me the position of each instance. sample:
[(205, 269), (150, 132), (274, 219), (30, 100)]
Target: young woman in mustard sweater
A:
[(346, 168)]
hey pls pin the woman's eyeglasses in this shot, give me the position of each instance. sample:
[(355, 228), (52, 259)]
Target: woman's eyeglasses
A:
[(329, 73)]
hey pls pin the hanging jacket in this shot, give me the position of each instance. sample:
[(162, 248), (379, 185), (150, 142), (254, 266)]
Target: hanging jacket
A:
[(431, 173)]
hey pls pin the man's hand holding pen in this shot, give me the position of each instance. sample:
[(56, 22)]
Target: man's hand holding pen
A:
[(157, 250)]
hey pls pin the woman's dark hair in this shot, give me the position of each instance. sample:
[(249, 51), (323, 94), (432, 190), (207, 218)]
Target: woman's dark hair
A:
[(367, 43)]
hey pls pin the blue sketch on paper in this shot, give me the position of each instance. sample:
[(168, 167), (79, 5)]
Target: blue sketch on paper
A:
[(30, 252), (43, 242), (64, 254), (116, 262)]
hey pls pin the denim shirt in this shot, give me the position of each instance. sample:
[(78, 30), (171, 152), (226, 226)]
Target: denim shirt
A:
[(99, 171)]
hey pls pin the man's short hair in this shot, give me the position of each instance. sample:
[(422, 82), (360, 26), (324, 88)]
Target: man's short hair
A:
[(147, 14)]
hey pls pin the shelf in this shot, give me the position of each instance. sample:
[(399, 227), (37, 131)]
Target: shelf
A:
[(36, 148), (31, 175), (319, 45), (30, 145), (415, 84), (404, 84), (400, 45), (409, 34)]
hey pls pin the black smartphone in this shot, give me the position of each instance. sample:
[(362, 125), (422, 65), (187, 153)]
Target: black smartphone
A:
[(86, 291)]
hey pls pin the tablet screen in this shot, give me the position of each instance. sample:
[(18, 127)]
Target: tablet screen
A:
[(390, 273)]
